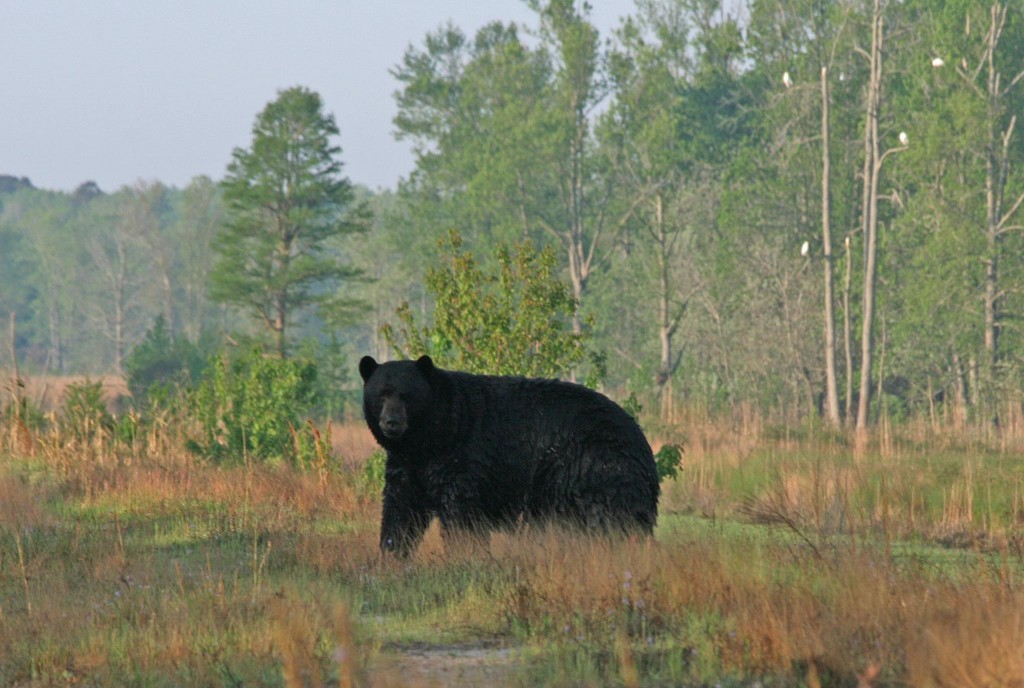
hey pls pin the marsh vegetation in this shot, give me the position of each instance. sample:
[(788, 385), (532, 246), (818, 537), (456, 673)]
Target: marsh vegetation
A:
[(781, 558)]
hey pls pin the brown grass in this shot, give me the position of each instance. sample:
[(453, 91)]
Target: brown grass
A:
[(970, 639), (162, 562), (850, 615), (352, 440), (48, 391), (100, 599)]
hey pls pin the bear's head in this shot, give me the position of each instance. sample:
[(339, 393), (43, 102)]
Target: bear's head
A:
[(396, 396)]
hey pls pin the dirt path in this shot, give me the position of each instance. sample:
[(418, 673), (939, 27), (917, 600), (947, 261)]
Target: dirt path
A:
[(458, 665)]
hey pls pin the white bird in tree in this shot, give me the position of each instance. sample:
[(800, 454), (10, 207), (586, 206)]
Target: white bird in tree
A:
[(786, 80), (805, 248), (903, 138), (938, 62)]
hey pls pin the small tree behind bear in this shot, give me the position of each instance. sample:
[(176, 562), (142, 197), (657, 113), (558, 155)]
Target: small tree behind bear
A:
[(512, 321)]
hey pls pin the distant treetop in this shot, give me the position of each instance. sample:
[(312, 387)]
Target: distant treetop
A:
[(10, 183)]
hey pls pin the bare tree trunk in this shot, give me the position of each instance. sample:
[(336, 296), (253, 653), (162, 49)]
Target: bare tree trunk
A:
[(521, 206), (279, 326), (993, 198), (960, 396), (872, 168), (20, 436), (869, 224), (984, 380), (55, 356), (831, 386), (666, 326), (997, 167), (848, 336), (279, 322), (13, 319), (579, 261), (972, 382), (120, 282)]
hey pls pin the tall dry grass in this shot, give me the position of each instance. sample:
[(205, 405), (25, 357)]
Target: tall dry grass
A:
[(779, 554), (772, 611), (131, 560), (971, 639)]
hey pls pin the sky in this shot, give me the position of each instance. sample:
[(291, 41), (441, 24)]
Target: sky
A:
[(117, 91)]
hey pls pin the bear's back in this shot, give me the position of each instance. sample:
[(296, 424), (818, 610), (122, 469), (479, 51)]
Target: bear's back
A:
[(542, 412)]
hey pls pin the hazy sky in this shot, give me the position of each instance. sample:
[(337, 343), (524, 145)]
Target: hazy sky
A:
[(120, 90)]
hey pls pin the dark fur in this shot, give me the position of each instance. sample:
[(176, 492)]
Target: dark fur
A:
[(482, 452)]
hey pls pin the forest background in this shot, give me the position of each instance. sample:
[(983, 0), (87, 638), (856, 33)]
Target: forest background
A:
[(810, 208)]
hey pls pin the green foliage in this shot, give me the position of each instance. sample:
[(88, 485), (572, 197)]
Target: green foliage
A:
[(84, 415), (371, 478), (481, 109), (250, 408), (22, 411), (161, 362), (667, 460), (287, 202), (16, 293), (331, 390), (668, 167), (513, 321)]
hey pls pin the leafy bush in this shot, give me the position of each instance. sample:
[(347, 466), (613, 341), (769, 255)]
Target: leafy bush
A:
[(249, 407), (513, 321), (84, 414), (371, 479), (668, 460), (23, 411), (159, 362)]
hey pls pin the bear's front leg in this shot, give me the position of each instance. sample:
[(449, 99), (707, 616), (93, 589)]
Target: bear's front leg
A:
[(464, 528), (406, 515)]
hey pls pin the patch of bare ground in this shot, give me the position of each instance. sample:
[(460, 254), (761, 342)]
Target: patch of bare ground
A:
[(456, 665)]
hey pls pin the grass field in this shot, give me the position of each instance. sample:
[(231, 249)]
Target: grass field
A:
[(781, 559)]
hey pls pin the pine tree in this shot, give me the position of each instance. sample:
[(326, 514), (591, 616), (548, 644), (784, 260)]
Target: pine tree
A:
[(287, 202)]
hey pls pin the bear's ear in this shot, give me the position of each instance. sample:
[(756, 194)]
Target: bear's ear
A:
[(366, 367), (425, 365)]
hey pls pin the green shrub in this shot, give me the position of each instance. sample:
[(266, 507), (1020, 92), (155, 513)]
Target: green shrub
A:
[(250, 408), (513, 319), (371, 479), (84, 415), (668, 460), (23, 411), (159, 363)]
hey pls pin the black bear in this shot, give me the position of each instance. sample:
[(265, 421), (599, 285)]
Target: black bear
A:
[(483, 452)]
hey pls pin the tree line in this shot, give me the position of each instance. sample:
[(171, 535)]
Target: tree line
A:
[(812, 207)]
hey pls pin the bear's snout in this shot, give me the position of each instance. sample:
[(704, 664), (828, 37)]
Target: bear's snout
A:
[(392, 427), (392, 420)]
